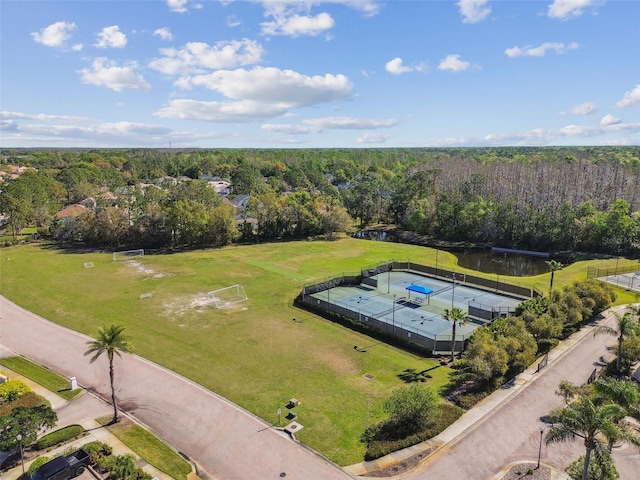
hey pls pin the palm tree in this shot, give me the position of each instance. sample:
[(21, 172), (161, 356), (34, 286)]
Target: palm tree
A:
[(590, 421), (553, 266), (622, 393), (455, 315), (112, 341), (626, 325)]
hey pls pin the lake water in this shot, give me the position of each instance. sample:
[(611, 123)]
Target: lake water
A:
[(502, 264)]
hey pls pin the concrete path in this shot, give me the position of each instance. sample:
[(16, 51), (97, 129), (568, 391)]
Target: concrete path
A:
[(224, 440)]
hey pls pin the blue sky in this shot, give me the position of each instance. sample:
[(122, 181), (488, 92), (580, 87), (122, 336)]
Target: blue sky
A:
[(319, 74)]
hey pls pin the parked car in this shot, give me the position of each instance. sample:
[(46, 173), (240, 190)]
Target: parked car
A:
[(63, 468), (9, 460)]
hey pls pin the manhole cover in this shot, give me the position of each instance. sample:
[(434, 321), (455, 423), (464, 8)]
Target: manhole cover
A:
[(368, 376)]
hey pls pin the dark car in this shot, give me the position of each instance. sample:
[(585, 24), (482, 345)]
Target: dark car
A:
[(9, 460), (63, 468)]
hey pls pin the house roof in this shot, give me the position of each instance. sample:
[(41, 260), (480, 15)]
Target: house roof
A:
[(72, 210)]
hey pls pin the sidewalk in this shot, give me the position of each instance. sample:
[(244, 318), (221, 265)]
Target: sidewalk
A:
[(445, 440), (95, 433)]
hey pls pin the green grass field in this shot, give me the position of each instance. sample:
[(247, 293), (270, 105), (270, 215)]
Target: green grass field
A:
[(42, 376), (253, 353)]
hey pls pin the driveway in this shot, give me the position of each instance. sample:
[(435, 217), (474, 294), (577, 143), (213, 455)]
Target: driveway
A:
[(224, 440)]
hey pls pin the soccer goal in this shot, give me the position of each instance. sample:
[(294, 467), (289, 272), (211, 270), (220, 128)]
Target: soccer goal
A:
[(227, 296), (127, 255)]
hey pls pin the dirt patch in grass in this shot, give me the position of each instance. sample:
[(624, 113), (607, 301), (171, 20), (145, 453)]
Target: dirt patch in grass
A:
[(402, 466)]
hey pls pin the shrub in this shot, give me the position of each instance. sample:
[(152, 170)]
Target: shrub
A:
[(27, 400), (97, 450), (59, 436), (381, 439), (12, 389), (37, 463)]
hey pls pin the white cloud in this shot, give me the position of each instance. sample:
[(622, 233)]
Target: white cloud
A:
[(473, 11), (541, 50), (178, 6), (50, 130), (396, 67), (164, 33), (567, 9), (223, 112), (107, 73), (318, 125), (111, 37), (374, 138), (77, 47), (609, 119), (294, 18), (40, 116), (296, 25), (233, 21), (196, 57), (630, 98), (453, 63), (55, 35), (585, 108), (274, 86), (256, 94)]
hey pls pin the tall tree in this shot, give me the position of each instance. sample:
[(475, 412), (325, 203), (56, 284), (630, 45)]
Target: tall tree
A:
[(625, 325), (622, 393), (590, 421), (457, 316), (554, 266), (110, 340)]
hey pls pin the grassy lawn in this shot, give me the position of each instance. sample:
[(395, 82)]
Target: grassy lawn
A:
[(42, 376), (270, 357), (149, 447)]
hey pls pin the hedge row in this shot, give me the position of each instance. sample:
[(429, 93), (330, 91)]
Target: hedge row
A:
[(448, 414), (59, 436)]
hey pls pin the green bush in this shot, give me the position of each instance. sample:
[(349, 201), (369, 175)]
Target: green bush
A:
[(12, 389), (27, 400), (37, 463), (97, 450), (468, 400), (59, 436), (379, 447)]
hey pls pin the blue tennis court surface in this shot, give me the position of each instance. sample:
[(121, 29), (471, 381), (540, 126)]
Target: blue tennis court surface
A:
[(416, 303)]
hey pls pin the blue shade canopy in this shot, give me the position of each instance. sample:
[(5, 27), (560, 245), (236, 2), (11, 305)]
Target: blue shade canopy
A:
[(419, 289)]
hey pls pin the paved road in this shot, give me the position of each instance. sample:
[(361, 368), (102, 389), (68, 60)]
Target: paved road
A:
[(511, 432), (227, 442)]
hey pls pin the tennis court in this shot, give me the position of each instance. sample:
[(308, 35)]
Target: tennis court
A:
[(416, 303), (629, 280)]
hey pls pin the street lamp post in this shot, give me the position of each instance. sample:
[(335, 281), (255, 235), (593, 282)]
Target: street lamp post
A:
[(499, 262), (19, 439), (393, 315), (540, 448), (453, 289)]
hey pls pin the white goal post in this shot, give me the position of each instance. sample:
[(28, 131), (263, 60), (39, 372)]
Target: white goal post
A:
[(227, 296), (127, 255)]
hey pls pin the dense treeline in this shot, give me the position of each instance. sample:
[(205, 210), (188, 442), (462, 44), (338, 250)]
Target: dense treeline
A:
[(551, 198)]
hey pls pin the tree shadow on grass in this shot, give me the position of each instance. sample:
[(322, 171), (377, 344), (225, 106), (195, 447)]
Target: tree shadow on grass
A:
[(410, 375)]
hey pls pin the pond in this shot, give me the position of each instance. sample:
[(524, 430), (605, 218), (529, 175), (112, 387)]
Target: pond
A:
[(516, 265)]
